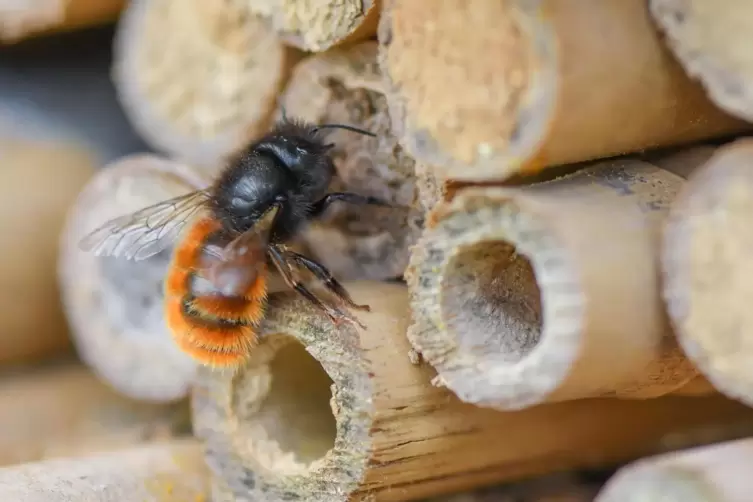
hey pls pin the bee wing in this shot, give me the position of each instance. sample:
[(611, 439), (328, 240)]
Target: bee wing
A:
[(146, 232)]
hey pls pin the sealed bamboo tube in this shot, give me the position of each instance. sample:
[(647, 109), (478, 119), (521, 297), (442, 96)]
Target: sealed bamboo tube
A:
[(320, 25), (327, 415), (66, 411), (709, 40), (113, 305), (521, 85), (164, 472), (26, 18), (197, 79), (40, 180), (713, 473), (550, 292), (707, 265), (345, 86)]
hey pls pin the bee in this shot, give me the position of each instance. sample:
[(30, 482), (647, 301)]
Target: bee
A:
[(226, 235)]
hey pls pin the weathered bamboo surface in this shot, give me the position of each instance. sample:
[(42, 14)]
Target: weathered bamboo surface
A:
[(550, 292), (328, 414), (318, 26), (516, 85)]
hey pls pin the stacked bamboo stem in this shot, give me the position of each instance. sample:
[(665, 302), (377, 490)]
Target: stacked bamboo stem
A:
[(561, 308)]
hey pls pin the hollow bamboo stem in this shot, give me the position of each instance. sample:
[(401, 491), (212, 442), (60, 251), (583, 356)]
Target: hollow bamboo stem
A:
[(113, 305), (330, 414), (709, 40), (517, 85), (550, 292), (66, 411), (707, 265), (198, 79), (320, 25), (39, 181), (718, 473), (344, 86), (26, 18), (166, 472)]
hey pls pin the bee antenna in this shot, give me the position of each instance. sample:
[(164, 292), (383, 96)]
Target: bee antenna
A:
[(343, 126)]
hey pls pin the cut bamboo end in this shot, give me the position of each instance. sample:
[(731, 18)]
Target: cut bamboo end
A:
[(510, 88), (114, 306), (319, 26), (718, 473), (167, 472), (40, 180), (22, 19), (355, 241), (549, 292), (198, 80), (707, 266), (709, 42), (66, 411), (327, 414)]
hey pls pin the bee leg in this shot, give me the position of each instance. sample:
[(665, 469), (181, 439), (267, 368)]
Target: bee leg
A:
[(351, 198), (321, 272), (335, 314)]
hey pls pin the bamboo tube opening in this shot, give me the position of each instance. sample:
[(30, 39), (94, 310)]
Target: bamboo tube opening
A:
[(113, 305), (489, 289), (707, 266), (712, 44), (505, 302), (284, 406), (197, 80)]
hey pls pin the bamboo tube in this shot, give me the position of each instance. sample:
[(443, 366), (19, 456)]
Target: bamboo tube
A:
[(22, 19), (321, 25), (709, 40), (114, 306), (32, 325), (518, 85), (197, 79), (718, 473), (358, 242), (66, 411), (550, 292), (167, 472), (706, 267), (327, 414)]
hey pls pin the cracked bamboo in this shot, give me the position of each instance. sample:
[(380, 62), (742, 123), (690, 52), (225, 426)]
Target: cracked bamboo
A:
[(115, 306), (165, 472), (198, 79), (320, 25), (27, 18), (358, 242), (515, 86), (550, 292), (327, 414), (66, 411), (41, 178), (707, 268), (718, 473), (710, 39)]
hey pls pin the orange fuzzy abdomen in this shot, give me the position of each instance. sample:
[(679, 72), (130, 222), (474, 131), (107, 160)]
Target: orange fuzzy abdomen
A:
[(214, 329)]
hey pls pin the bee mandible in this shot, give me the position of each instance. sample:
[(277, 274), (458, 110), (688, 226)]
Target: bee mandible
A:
[(226, 233)]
